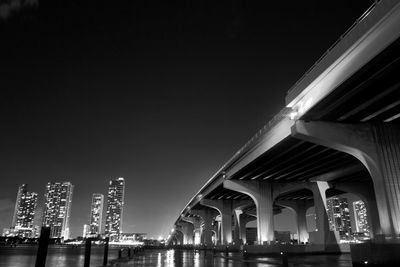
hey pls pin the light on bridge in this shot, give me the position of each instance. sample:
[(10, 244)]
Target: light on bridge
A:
[(300, 108)]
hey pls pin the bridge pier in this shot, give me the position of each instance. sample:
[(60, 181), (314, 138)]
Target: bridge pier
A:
[(179, 236), (300, 208), (244, 219), (187, 230), (196, 226), (323, 235), (261, 193), (226, 209), (236, 225), (207, 215), (378, 148)]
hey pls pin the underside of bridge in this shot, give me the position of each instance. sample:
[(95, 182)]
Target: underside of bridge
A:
[(370, 95), (348, 142)]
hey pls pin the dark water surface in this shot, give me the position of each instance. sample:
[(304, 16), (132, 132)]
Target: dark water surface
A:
[(74, 257), (25, 256)]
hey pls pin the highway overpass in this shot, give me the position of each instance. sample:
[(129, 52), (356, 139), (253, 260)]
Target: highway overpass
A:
[(339, 133)]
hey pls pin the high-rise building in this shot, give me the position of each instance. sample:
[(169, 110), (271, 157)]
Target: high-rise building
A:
[(360, 215), (115, 204), (339, 216), (86, 230), (24, 212), (96, 214), (21, 190), (57, 210)]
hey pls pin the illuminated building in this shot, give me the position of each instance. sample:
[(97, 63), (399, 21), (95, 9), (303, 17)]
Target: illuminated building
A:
[(96, 214), (86, 230), (360, 215), (115, 204), (24, 212), (339, 216), (133, 236), (57, 210)]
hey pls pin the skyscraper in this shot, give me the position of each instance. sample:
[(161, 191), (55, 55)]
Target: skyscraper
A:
[(360, 215), (86, 230), (24, 212), (57, 210), (115, 204), (96, 214), (339, 216)]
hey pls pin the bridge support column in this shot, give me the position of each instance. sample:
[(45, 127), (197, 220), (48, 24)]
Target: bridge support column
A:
[(244, 219), (261, 193), (378, 148), (187, 230), (237, 238), (300, 208), (195, 221), (179, 236), (225, 209), (207, 215), (219, 227), (323, 236)]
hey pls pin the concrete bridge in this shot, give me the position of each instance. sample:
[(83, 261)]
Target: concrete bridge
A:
[(339, 133)]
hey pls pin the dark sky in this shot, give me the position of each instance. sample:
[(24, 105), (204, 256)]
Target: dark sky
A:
[(157, 92)]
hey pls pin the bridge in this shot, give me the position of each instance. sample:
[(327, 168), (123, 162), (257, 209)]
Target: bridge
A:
[(339, 133)]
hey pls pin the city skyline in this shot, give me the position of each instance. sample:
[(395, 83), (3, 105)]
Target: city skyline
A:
[(55, 207), (341, 218)]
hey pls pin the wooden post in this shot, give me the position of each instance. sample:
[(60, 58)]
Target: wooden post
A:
[(120, 253), (105, 259), (88, 247), (284, 259), (43, 245)]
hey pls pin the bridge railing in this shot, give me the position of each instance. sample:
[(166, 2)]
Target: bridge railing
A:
[(372, 15), (284, 113)]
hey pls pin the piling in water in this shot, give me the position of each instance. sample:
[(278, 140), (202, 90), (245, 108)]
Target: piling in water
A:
[(88, 248), (105, 258), (43, 245), (284, 259)]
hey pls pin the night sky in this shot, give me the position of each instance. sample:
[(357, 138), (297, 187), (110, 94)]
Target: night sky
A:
[(161, 93)]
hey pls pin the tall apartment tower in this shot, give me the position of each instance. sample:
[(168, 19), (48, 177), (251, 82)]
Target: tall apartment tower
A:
[(339, 216), (96, 214), (24, 211), (360, 215), (115, 204), (57, 210)]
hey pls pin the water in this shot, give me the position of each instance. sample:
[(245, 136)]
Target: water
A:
[(24, 256)]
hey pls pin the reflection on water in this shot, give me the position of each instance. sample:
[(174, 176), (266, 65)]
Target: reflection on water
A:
[(74, 257), (25, 256), (187, 258)]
